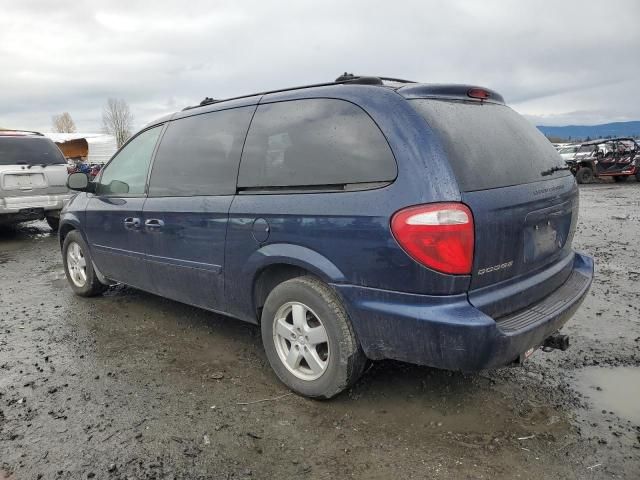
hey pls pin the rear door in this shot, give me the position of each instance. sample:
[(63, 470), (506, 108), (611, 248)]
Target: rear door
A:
[(114, 222), (525, 208), (192, 184)]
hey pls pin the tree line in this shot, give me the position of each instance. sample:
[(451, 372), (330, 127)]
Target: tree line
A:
[(117, 120)]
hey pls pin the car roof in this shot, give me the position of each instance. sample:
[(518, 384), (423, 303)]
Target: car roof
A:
[(369, 85)]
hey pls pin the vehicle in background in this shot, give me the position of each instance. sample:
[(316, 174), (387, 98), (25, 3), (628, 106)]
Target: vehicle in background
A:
[(567, 152), (618, 158), (365, 218), (33, 176), (92, 170), (84, 152)]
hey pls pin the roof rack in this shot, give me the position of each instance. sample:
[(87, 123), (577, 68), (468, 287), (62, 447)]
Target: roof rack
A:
[(605, 140), (345, 78), (368, 79)]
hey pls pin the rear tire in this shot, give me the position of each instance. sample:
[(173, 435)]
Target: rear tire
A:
[(620, 178), (303, 318), (584, 175), (79, 268), (53, 222)]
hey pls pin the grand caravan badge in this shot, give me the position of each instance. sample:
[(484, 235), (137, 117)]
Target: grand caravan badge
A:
[(495, 268)]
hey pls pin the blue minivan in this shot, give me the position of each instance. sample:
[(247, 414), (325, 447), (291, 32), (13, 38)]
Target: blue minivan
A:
[(356, 220)]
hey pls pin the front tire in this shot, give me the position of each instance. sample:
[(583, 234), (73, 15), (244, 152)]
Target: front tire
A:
[(78, 266), (584, 175), (53, 222), (309, 340)]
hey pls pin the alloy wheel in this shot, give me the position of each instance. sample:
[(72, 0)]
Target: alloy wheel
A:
[(77, 265), (301, 341)]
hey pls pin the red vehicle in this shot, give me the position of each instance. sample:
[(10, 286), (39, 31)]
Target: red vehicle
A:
[(617, 157), (90, 169)]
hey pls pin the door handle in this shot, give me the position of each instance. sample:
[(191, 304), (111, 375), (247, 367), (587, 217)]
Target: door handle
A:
[(131, 223), (153, 224)]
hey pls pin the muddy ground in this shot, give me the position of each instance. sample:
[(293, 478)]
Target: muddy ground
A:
[(130, 385)]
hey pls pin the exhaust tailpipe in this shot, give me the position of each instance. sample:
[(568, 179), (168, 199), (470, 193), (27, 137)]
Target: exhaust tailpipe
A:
[(556, 342)]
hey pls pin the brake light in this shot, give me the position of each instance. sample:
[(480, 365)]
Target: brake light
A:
[(439, 236), (478, 93)]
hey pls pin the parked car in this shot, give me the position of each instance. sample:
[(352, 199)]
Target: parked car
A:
[(354, 220), (617, 157), (33, 176), (568, 152)]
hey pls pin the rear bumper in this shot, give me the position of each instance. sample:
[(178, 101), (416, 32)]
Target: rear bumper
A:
[(448, 332), (17, 206), (34, 207)]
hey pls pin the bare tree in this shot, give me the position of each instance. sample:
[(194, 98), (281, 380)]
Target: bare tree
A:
[(63, 123), (117, 120)]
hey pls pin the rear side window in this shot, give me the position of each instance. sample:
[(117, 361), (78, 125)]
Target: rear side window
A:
[(489, 145), (314, 142), (29, 151), (199, 155)]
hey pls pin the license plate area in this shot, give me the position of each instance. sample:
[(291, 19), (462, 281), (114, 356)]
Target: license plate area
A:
[(546, 232), (23, 181)]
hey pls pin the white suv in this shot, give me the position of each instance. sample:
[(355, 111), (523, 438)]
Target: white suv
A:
[(33, 177)]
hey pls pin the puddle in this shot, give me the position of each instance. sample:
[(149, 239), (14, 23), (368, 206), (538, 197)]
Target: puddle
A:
[(615, 390)]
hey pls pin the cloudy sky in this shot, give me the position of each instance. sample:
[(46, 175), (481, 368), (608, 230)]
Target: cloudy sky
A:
[(558, 62)]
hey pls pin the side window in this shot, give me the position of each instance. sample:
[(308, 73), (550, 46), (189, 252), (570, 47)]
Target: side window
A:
[(199, 155), (126, 174), (314, 142)]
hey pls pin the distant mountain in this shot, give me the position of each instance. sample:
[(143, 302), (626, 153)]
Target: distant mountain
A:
[(580, 132)]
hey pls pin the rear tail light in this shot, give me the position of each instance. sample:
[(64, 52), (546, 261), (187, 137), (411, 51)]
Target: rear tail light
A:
[(438, 235)]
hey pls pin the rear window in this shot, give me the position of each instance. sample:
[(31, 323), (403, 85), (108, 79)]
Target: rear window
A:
[(489, 145), (29, 151), (314, 142)]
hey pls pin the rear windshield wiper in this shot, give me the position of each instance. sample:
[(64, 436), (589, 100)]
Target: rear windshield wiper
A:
[(553, 170)]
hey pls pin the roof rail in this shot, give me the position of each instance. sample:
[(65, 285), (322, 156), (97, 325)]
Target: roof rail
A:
[(368, 79), (345, 78)]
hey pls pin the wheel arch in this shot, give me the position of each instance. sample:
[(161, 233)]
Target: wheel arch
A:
[(65, 227), (277, 263)]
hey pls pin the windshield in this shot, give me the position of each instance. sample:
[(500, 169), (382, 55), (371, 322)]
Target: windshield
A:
[(568, 150), (29, 151), (490, 145), (587, 149)]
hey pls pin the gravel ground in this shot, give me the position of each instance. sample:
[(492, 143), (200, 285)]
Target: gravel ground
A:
[(130, 385)]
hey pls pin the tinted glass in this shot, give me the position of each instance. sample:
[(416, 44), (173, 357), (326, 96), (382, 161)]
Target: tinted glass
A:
[(29, 151), (489, 145), (126, 174), (199, 155), (314, 142)]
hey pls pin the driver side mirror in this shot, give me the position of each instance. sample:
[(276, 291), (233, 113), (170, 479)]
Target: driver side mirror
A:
[(80, 182)]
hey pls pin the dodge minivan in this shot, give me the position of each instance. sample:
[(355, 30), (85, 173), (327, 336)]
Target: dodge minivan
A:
[(362, 219)]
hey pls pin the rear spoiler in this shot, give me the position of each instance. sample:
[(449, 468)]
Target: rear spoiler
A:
[(452, 92)]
